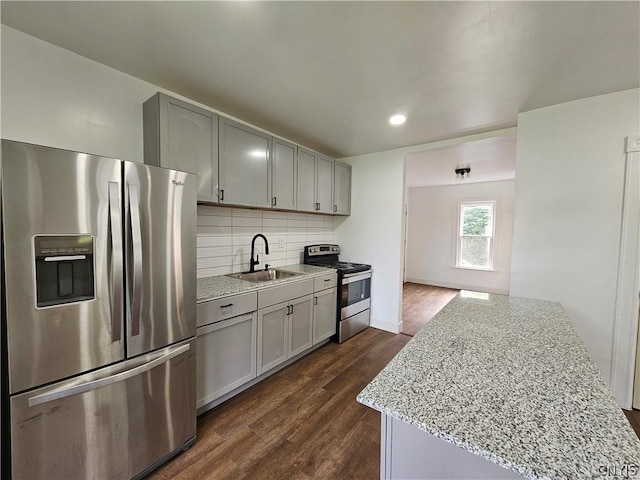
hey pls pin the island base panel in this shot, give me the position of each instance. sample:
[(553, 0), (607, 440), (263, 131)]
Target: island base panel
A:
[(410, 453)]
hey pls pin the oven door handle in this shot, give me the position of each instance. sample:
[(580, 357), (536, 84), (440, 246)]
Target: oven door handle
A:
[(356, 277)]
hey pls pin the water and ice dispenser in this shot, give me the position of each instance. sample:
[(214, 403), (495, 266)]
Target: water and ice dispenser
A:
[(64, 269)]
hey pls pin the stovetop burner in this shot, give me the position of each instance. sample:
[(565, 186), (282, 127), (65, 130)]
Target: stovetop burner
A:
[(326, 255)]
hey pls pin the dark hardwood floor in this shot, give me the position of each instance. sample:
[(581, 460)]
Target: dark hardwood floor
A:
[(634, 419), (420, 303), (303, 422)]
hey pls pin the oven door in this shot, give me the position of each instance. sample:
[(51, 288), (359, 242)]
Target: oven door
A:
[(355, 293)]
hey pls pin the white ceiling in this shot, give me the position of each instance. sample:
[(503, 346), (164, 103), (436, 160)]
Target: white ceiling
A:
[(490, 159), (329, 74)]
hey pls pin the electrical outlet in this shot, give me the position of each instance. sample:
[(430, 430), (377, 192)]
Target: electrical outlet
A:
[(633, 144)]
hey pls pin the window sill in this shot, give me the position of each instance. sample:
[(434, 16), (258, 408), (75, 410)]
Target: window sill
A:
[(477, 269)]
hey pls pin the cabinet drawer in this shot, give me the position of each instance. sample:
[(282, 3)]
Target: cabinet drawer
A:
[(284, 293), (326, 281), (227, 307)]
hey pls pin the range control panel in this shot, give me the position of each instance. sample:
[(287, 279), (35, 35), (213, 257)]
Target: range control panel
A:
[(323, 250)]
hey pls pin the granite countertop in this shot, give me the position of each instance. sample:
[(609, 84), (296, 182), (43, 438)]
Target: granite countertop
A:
[(211, 288), (510, 380)]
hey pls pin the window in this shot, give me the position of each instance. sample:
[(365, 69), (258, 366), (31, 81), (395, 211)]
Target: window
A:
[(476, 228)]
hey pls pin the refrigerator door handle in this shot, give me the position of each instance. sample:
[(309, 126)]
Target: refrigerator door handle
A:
[(136, 239), (103, 382), (116, 252)]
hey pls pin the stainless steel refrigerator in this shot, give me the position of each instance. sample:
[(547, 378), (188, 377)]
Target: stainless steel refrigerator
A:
[(98, 314)]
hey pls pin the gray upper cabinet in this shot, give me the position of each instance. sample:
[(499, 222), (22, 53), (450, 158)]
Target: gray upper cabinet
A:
[(306, 180), (245, 166), (181, 136), (315, 182), (240, 165), (342, 189), (324, 184), (284, 164)]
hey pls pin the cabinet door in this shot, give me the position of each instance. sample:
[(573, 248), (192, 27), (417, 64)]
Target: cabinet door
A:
[(245, 166), (306, 180), (284, 174), (184, 137), (273, 325), (324, 314), (300, 325), (324, 185), (342, 189), (226, 357)]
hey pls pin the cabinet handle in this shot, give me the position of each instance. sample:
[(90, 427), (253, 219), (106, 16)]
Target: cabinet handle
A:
[(226, 306), (273, 202), (221, 195), (315, 300), (335, 208), (318, 206), (289, 309)]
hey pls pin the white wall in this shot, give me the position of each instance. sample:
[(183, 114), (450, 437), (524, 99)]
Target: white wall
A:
[(53, 97), (569, 189), (373, 232), (432, 230)]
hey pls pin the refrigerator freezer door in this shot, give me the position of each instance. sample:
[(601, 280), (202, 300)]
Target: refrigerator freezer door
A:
[(51, 197), (112, 423), (160, 225)]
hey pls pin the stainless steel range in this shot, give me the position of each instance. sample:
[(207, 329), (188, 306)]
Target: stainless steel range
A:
[(354, 296)]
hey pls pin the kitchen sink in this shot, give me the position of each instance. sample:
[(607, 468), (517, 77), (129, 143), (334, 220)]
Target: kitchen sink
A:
[(263, 275)]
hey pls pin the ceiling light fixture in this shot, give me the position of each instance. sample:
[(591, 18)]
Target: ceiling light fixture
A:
[(398, 119), (462, 171)]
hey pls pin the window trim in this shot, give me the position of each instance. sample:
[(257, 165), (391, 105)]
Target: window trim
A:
[(492, 238)]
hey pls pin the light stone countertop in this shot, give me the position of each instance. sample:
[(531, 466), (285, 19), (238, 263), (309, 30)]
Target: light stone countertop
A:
[(510, 380), (211, 288)]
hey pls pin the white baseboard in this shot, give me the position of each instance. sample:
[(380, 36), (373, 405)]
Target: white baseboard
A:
[(386, 325), (459, 286)]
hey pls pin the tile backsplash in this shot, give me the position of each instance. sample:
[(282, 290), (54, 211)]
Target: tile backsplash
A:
[(224, 237)]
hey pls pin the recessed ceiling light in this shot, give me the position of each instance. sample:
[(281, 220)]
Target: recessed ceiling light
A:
[(397, 119)]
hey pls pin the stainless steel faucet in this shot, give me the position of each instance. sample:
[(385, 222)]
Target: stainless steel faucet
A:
[(252, 262)]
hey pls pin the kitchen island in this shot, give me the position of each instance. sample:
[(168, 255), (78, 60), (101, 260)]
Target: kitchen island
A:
[(499, 387)]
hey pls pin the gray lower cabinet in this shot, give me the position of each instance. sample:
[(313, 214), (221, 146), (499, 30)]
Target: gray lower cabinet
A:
[(284, 330), (300, 325), (245, 165), (273, 338), (184, 137), (341, 188), (324, 314), (226, 357), (284, 165), (236, 344)]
